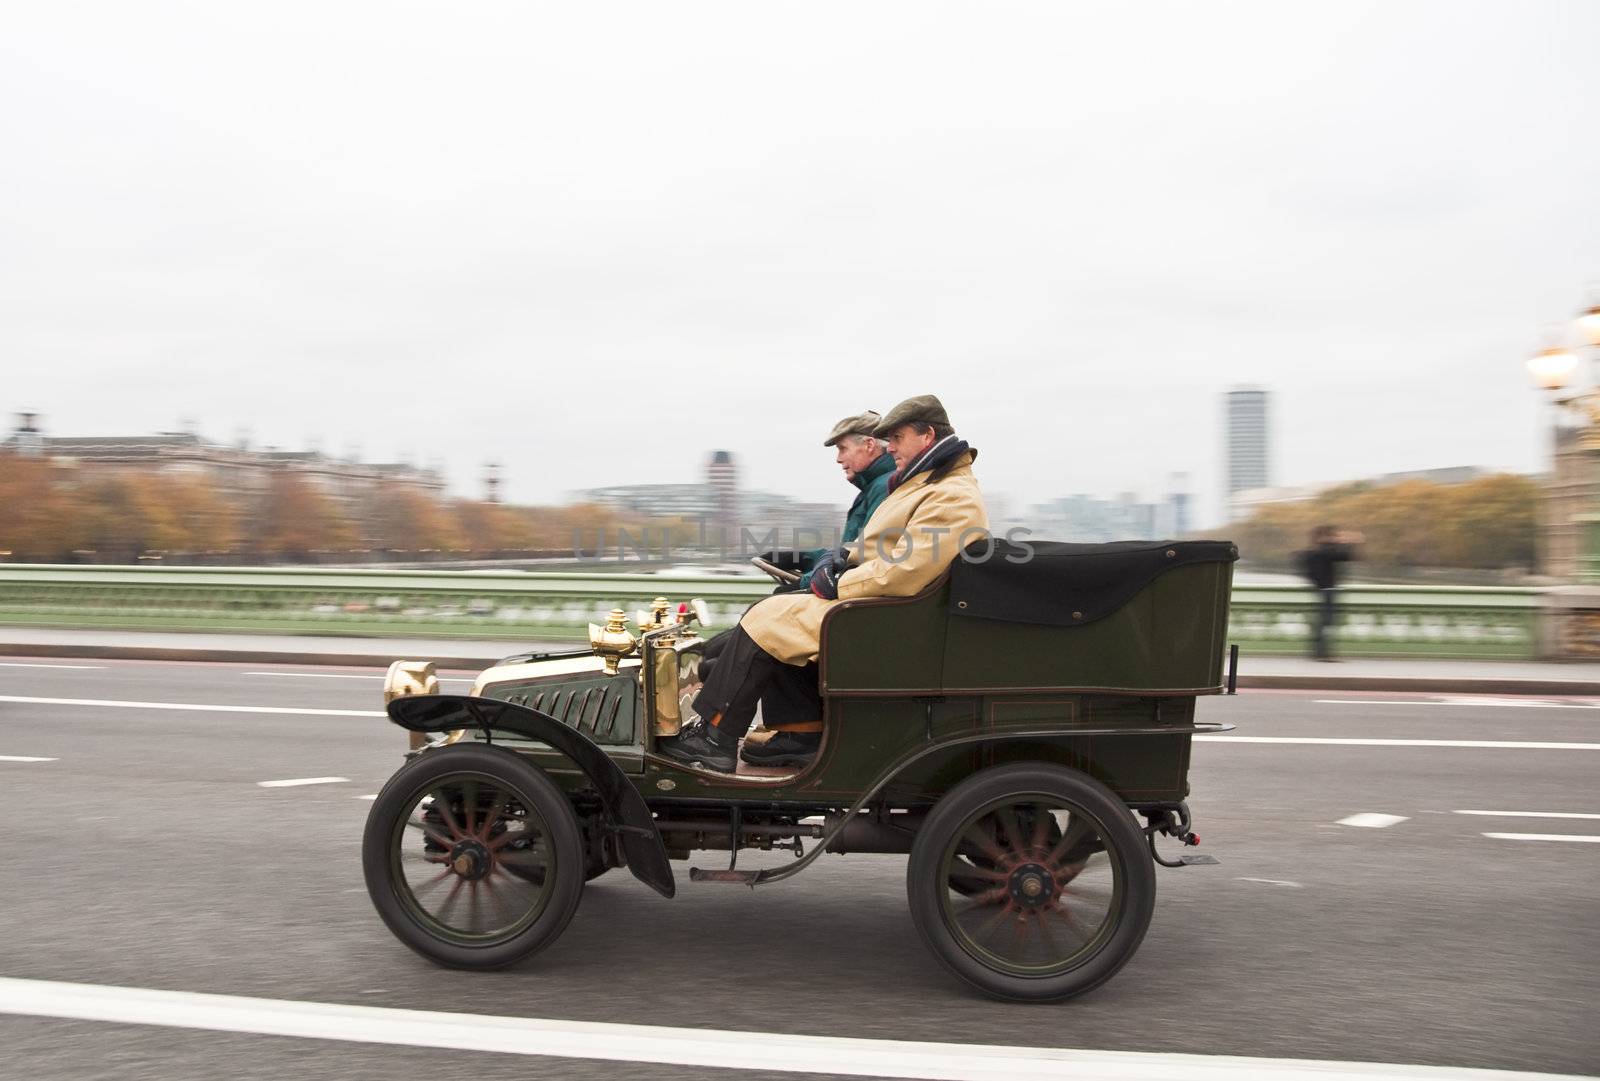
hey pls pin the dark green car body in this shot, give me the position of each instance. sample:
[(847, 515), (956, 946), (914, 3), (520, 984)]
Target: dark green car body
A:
[(1004, 729)]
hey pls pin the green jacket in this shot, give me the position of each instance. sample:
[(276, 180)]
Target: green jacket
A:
[(874, 484)]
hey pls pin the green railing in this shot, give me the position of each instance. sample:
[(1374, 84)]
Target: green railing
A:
[(1394, 621), (1425, 621)]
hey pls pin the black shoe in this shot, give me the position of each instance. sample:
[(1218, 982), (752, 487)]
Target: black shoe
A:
[(783, 749), (701, 745)]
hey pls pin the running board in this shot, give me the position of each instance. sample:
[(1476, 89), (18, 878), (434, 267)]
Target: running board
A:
[(730, 876)]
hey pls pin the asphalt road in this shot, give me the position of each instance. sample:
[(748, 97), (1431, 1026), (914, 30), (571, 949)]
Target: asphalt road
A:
[(146, 854)]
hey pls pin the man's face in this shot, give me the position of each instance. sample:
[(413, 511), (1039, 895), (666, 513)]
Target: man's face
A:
[(905, 443), (855, 453)]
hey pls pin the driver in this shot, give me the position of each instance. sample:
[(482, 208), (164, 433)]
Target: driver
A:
[(908, 542), (867, 464)]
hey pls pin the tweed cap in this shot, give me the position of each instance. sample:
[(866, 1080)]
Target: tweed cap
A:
[(858, 425), (924, 408)]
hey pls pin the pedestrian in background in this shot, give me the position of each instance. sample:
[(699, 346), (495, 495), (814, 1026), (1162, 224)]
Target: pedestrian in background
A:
[(1320, 564)]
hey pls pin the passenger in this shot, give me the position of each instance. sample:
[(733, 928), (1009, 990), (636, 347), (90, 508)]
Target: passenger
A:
[(771, 656)]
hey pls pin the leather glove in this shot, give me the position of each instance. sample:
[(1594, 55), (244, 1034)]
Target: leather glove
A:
[(825, 575)]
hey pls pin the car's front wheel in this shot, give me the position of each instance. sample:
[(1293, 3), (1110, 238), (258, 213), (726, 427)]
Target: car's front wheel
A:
[(473, 857), (1032, 882)]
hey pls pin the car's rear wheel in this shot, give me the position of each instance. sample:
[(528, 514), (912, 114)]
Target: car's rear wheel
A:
[(1031, 882), (473, 857)]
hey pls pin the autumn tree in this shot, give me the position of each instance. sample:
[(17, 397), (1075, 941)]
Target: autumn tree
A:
[(402, 517), (296, 519), (1490, 522), (37, 517)]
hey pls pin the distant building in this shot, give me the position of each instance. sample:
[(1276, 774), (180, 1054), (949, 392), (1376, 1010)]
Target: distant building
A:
[(1088, 520), (238, 473), (722, 477), (1176, 519), (727, 512), (1245, 416), (651, 500)]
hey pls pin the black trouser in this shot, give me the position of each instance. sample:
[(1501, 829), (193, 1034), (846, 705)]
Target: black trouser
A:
[(1322, 625), (744, 676)]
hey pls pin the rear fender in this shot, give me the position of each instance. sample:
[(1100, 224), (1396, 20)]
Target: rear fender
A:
[(625, 810)]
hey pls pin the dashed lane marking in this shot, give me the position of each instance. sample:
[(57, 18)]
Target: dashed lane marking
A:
[(1531, 814), (1274, 882), (192, 706), (1334, 741), (370, 795), (1544, 837), (75, 667), (296, 782), (24, 758), (768, 1051), (1372, 820)]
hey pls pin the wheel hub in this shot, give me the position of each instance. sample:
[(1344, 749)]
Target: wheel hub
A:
[(470, 859), (1031, 885)]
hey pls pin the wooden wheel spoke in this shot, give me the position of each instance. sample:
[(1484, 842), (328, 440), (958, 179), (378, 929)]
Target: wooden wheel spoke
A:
[(524, 834), (469, 807), (1077, 826), (993, 923), (442, 805), (434, 881), (1045, 934), (985, 844), (969, 877), (428, 831), (1007, 817), (496, 810), (1042, 820), (449, 903)]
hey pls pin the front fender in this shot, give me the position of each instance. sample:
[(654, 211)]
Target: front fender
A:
[(641, 841)]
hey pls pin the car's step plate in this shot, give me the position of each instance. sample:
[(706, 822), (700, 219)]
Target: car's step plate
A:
[(734, 877)]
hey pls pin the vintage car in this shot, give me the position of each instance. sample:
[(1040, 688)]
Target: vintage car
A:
[(1008, 727)]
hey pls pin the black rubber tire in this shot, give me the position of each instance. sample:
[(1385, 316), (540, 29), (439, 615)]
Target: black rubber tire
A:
[(1125, 845), (535, 790)]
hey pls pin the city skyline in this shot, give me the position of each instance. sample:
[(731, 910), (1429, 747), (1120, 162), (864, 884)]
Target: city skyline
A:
[(1076, 273)]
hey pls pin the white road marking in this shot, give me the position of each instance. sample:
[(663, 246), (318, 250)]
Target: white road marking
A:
[(25, 758), (1531, 814), (350, 675), (1274, 882), (372, 795), (661, 1045), (75, 667), (1543, 837), (195, 706), (298, 781), (1372, 820), (1503, 703), (1498, 744)]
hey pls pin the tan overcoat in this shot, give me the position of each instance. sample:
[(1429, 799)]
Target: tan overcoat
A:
[(910, 539)]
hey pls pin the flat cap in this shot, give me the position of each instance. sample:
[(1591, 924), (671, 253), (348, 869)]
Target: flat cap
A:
[(924, 408), (857, 425)]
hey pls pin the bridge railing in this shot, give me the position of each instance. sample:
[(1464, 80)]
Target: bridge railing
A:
[(1397, 621)]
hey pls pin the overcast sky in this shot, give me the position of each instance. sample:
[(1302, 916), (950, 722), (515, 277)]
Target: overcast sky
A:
[(594, 241)]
